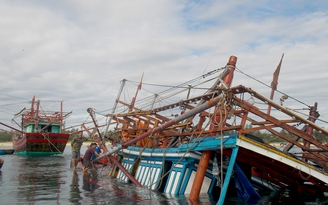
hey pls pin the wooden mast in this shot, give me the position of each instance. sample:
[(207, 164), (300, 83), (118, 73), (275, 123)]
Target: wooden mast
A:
[(211, 103), (36, 115), (186, 115), (61, 117), (206, 155), (135, 96)]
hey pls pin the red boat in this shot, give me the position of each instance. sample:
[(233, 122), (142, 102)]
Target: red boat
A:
[(41, 131)]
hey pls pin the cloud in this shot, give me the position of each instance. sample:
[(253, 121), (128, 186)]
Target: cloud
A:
[(79, 51)]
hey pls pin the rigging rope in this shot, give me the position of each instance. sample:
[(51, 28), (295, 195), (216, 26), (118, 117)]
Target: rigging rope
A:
[(237, 69), (191, 146)]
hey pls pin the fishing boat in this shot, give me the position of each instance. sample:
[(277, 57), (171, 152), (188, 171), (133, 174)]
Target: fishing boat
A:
[(40, 132), (207, 142), (6, 151)]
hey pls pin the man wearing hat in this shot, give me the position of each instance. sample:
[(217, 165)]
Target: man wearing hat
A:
[(87, 156)]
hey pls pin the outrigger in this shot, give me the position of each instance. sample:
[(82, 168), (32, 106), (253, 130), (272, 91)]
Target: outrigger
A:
[(210, 140)]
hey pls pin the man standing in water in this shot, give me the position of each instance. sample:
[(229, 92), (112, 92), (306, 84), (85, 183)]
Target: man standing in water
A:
[(76, 147), (88, 156)]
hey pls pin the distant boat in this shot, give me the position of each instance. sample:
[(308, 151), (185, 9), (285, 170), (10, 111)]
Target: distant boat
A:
[(6, 151), (1, 162), (41, 131)]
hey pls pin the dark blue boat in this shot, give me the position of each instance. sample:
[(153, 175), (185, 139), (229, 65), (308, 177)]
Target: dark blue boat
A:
[(6, 151)]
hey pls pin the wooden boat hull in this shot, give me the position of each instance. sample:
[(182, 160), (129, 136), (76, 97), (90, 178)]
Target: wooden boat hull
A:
[(40, 144), (10, 151), (173, 170), (149, 168), (255, 164)]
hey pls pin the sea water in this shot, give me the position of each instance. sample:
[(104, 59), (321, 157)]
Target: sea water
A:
[(50, 180)]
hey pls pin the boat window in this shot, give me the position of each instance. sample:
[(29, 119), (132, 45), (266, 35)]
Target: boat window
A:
[(47, 129)]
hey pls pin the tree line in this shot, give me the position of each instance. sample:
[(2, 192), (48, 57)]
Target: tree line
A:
[(270, 138)]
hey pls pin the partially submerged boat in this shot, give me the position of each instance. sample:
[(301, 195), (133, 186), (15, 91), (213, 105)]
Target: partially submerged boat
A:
[(40, 132), (204, 143)]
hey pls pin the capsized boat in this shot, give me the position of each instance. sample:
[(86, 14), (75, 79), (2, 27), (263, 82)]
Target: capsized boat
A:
[(40, 132), (207, 143)]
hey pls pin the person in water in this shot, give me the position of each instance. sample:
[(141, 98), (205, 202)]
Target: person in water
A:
[(76, 147), (87, 156), (98, 150)]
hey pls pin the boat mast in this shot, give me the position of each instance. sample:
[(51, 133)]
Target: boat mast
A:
[(20, 131), (36, 116), (174, 121), (115, 105), (92, 115), (61, 117), (154, 100), (206, 155), (135, 96)]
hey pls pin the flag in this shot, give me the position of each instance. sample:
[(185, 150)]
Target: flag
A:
[(274, 82)]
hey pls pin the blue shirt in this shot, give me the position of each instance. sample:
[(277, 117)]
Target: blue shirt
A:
[(97, 149)]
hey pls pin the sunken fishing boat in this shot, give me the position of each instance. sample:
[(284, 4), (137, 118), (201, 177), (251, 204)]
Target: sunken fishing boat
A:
[(40, 132), (207, 143)]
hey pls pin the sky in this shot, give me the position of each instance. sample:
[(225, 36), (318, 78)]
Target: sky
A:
[(78, 51)]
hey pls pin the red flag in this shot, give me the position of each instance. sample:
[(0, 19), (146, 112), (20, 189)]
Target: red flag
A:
[(274, 82)]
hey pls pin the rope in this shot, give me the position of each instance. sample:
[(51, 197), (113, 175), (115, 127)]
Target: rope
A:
[(53, 145), (237, 69), (187, 151), (45, 137)]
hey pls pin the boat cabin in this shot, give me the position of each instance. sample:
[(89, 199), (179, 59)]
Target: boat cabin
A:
[(42, 127)]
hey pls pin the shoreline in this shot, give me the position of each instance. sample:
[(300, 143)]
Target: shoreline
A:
[(6, 144)]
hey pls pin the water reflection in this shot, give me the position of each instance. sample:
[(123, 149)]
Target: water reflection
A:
[(49, 180), (90, 180), (75, 196), (39, 178)]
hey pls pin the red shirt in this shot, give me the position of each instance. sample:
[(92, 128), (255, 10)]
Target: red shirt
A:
[(88, 153)]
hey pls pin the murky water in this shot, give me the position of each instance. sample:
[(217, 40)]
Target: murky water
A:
[(49, 180)]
